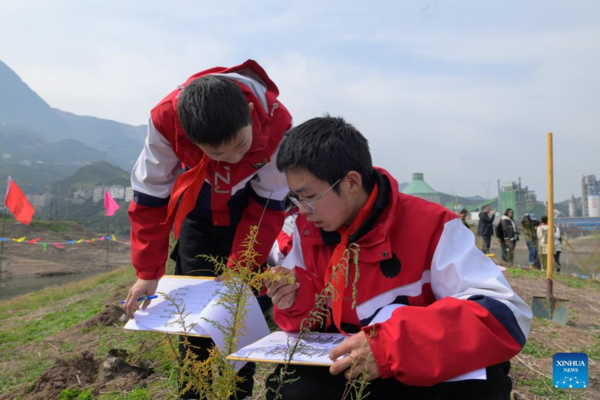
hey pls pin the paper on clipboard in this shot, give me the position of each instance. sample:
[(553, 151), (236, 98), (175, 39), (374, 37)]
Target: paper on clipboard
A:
[(314, 349), (194, 294), (198, 297)]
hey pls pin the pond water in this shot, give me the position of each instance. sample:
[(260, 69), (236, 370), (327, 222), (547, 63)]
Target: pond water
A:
[(18, 286), (570, 264)]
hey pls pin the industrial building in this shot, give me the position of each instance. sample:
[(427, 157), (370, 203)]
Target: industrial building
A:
[(520, 199), (587, 215), (419, 188), (590, 196), (513, 195)]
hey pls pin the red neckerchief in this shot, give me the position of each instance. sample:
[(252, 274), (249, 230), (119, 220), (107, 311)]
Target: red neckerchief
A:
[(339, 282), (187, 187)]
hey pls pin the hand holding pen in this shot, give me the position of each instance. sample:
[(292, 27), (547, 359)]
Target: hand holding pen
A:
[(142, 290)]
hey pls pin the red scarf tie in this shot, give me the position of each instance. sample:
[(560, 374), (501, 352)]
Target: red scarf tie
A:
[(339, 281), (187, 187)]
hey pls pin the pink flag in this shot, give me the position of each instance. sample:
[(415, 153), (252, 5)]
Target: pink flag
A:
[(110, 204)]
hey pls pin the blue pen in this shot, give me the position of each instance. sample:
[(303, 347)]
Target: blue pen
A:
[(154, 296)]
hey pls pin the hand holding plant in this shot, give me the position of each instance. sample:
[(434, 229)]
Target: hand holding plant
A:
[(281, 287), (359, 361)]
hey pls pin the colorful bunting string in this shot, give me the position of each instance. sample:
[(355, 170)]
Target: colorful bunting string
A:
[(60, 245)]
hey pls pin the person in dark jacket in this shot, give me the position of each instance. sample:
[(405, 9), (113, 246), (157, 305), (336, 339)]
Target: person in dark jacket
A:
[(500, 236), (529, 226), (486, 227), (463, 217), (509, 230)]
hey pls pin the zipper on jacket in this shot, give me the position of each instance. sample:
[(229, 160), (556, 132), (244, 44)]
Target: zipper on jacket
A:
[(275, 105)]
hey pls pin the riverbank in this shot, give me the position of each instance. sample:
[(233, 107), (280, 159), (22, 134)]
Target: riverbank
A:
[(67, 260)]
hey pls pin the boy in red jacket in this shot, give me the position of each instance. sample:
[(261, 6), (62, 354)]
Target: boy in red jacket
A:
[(432, 317), (223, 126)]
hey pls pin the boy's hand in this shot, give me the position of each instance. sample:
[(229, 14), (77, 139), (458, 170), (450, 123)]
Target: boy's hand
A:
[(360, 358), (281, 291), (139, 289)]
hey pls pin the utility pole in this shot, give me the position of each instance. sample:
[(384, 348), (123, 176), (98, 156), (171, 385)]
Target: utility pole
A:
[(487, 189), (499, 200)]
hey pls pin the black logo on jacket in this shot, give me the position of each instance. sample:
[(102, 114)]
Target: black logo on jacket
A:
[(391, 267)]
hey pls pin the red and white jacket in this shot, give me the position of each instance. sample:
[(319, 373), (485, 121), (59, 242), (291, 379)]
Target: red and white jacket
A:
[(437, 306), (233, 194)]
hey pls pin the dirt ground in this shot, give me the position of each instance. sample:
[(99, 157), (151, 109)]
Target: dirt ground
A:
[(580, 333), (86, 370), (109, 372), (28, 260)]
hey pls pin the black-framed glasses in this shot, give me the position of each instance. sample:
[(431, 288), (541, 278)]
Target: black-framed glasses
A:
[(309, 205)]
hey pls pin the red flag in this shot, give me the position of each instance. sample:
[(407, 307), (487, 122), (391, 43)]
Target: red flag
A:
[(110, 205), (17, 203)]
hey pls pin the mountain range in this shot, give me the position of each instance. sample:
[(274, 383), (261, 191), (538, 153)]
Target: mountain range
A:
[(40, 145), (24, 112)]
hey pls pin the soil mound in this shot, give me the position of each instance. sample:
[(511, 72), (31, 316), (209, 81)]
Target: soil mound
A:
[(83, 371), (79, 372), (107, 317), (117, 375)]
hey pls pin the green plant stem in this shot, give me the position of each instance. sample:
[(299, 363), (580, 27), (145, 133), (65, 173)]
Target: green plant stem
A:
[(304, 329)]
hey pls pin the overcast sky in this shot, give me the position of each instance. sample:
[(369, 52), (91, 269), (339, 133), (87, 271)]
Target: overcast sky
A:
[(463, 91)]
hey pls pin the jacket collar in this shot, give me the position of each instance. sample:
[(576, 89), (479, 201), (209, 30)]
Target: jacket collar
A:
[(383, 183)]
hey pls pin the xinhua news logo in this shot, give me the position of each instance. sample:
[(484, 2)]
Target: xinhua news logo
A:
[(570, 370)]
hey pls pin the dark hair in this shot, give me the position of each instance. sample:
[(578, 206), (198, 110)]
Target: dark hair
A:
[(544, 219), (212, 110), (464, 211), (483, 208), (507, 211), (329, 148)]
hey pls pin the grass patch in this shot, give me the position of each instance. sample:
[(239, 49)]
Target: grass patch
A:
[(521, 272), (27, 373), (543, 387), (75, 393), (34, 316), (50, 324), (593, 351), (574, 282), (136, 394), (537, 350), (22, 305)]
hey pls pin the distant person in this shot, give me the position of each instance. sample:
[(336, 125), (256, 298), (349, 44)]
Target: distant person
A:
[(500, 236), (486, 227), (463, 217), (529, 224), (542, 234), (510, 234), (557, 247)]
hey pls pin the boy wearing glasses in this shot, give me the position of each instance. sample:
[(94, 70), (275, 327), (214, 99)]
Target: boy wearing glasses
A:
[(429, 309)]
